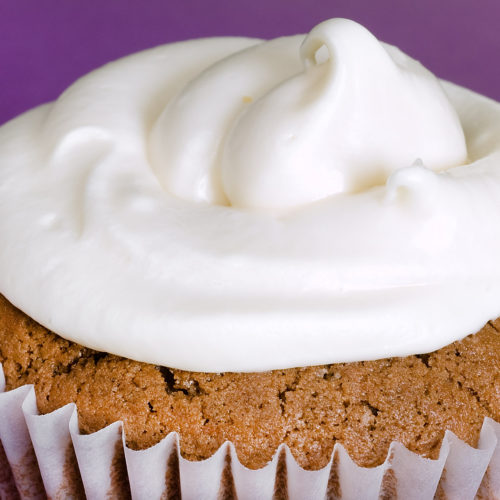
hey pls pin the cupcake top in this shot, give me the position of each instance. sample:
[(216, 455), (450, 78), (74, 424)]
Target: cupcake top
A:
[(230, 204)]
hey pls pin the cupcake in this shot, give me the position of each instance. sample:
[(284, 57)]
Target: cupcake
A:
[(289, 245)]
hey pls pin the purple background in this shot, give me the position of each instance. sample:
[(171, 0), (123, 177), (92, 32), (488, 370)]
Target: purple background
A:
[(46, 44)]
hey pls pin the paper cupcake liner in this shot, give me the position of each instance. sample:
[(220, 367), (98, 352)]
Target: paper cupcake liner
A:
[(46, 456)]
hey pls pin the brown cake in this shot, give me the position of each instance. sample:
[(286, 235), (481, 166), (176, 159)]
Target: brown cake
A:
[(363, 405)]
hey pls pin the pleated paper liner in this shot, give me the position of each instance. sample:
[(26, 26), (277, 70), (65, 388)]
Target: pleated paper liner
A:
[(46, 456)]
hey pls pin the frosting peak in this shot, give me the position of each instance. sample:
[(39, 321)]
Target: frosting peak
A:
[(284, 123)]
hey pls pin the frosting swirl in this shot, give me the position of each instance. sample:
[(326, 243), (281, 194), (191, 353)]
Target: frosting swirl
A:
[(229, 204), (265, 128)]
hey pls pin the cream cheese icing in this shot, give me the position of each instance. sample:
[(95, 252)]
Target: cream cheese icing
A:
[(230, 204)]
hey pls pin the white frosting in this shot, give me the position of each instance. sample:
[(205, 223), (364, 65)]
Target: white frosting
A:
[(273, 127), (226, 205)]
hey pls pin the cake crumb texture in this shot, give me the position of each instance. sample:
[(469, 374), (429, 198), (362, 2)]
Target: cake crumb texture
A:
[(363, 405)]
